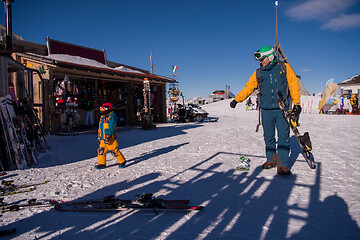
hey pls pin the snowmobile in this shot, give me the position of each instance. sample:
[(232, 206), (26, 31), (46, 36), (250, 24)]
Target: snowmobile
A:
[(193, 113)]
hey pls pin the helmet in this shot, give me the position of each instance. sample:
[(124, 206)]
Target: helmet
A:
[(263, 52), (105, 108)]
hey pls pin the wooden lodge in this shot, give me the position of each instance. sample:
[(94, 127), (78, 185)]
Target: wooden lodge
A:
[(46, 69)]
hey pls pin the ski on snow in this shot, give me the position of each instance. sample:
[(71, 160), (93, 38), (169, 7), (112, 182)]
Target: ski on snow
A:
[(29, 204), (143, 202), (303, 140), (8, 188)]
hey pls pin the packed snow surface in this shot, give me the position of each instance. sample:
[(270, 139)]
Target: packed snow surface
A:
[(197, 161)]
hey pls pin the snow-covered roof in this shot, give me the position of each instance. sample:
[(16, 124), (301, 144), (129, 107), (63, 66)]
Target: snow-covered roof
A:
[(86, 62), (353, 80)]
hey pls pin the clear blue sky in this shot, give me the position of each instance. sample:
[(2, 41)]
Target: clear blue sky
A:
[(212, 41)]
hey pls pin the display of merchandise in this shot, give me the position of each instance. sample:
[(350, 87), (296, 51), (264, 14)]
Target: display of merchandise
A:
[(147, 120), (173, 108), (66, 106)]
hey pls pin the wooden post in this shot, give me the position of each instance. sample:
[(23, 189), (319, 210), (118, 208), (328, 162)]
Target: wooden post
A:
[(163, 103), (151, 63), (19, 84), (49, 101), (131, 114), (4, 88)]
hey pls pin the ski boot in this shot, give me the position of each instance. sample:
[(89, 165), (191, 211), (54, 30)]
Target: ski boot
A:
[(268, 165), (122, 165), (283, 171), (100, 166)]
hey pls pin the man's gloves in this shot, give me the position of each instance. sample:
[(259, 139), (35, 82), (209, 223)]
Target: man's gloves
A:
[(294, 115), (98, 138), (233, 104)]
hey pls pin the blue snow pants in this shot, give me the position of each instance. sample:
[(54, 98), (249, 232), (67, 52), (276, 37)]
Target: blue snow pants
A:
[(271, 119)]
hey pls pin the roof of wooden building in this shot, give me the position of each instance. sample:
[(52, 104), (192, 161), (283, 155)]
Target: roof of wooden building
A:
[(350, 81)]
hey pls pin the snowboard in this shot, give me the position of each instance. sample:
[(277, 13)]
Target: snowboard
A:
[(303, 140)]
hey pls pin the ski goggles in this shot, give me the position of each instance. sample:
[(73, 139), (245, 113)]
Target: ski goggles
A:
[(261, 55), (104, 108)]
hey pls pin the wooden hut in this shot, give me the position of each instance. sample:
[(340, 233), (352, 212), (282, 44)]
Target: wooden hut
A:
[(92, 76)]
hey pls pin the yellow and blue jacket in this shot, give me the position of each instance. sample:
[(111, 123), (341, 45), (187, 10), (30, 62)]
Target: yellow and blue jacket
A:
[(271, 81), (107, 125)]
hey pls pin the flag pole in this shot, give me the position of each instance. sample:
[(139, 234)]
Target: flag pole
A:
[(276, 31)]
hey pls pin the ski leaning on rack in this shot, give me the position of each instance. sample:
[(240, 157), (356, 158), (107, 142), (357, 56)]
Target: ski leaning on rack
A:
[(13, 141), (303, 140), (8, 188), (143, 202)]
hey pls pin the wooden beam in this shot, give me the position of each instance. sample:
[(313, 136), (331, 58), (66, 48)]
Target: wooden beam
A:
[(4, 88)]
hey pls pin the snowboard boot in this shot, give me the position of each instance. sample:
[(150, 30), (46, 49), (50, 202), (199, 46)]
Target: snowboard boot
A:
[(268, 165), (100, 166), (283, 171), (122, 165)]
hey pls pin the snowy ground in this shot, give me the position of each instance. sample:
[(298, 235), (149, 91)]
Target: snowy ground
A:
[(196, 161)]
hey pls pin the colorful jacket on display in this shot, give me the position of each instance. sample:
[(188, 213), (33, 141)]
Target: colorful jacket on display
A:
[(272, 80), (107, 126)]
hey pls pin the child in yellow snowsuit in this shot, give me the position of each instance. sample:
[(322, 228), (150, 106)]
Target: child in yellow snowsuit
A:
[(107, 137)]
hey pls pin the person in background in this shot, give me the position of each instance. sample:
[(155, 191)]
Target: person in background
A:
[(354, 103), (273, 80), (249, 104), (342, 104), (89, 108), (107, 137)]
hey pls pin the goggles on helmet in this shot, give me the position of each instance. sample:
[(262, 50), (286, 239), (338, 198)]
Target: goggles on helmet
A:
[(104, 108), (261, 55)]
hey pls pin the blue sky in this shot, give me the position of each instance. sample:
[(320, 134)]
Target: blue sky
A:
[(212, 41)]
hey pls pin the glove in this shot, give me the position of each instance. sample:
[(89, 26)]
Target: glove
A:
[(107, 140), (233, 104), (98, 138), (294, 115)]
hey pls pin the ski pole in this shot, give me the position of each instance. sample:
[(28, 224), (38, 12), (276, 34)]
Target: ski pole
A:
[(236, 130)]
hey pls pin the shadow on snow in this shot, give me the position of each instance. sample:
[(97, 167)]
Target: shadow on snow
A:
[(238, 206), (86, 145)]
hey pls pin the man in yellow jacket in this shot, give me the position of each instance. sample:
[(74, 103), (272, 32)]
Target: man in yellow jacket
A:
[(273, 79), (107, 137)]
